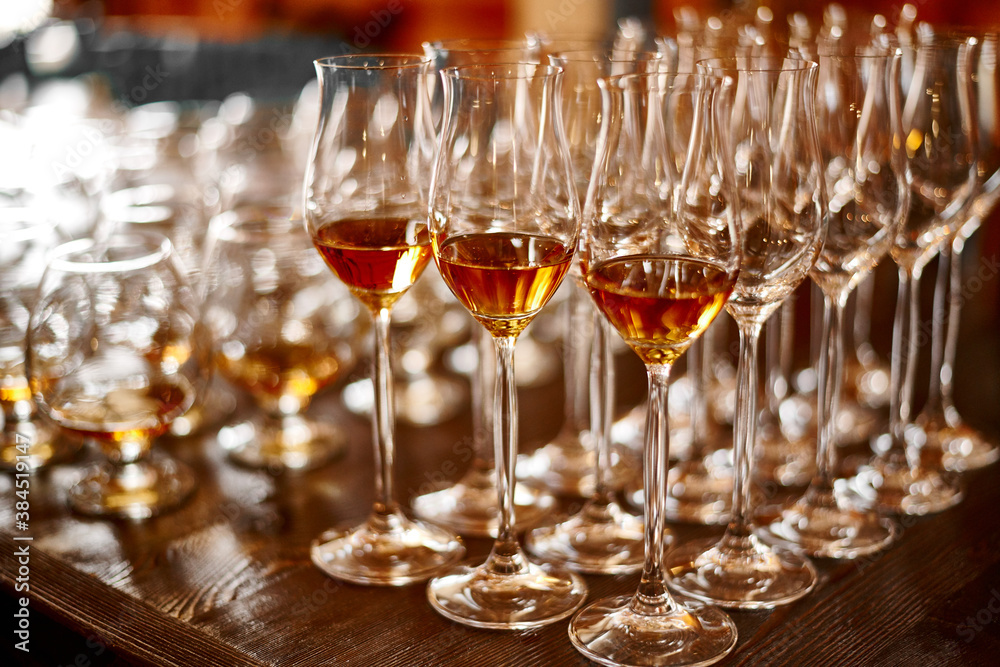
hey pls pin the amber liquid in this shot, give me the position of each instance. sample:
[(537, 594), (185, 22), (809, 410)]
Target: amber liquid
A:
[(659, 303), (281, 370), (120, 415), (504, 279), (378, 259)]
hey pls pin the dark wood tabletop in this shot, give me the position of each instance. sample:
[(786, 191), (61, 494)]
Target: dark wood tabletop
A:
[(226, 580)]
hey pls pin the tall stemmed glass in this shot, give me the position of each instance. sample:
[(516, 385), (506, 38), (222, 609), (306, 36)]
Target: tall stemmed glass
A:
[(779, 170), (504, 222), (659, 270), (27, 441), (470, 505), (604, 537), (937, 123), (365, 208), (859, 117), (962, 446), (111, 358)]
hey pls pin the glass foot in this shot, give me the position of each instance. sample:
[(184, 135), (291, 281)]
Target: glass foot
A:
[(962, 447), (601, 538), (291, 443), (610, 632), (514, 596), (133, 490), (824, 525), (900, 489), (388, 550), (470, 506), (740, 573), (700, 491), (34, 443)]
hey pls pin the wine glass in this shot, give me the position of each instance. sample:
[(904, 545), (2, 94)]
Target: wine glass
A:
[(25, 438), (963, 447), (780, 174), (937, 122), (604, 537), (365, 209), (859, 117), (111, 358), (504, 222), (470, 505), (660, 256), (281, 328)]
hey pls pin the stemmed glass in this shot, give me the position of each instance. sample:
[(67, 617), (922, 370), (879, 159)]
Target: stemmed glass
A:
[(963, 447), (111, 358), (504, 222), (470, 505), (937, 123), (365, 208), (279, 327), (603, 537), (780, 174), (859, 117), (659, 268), (26, 440)]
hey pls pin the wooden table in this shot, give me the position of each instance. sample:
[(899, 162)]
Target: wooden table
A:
[(227, 580)]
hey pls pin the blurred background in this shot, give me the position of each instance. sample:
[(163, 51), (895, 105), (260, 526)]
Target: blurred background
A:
[(150, 50)]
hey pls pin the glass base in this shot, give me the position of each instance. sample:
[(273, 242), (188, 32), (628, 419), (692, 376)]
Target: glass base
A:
[(610, 632), (34, 443), (962, 447), (134, 490), (291, 443), (823, 525), (740, 573), (516, 596), (700, 491), (602, 538), (900, 489), (470, 506), (388, 550)]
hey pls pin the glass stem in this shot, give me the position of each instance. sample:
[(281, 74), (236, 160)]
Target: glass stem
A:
[(506, 557), (652, 597), (697, 363), (954, 308), (903, 366), (576, 358), (861, 330), (739, 528), (482, 393), (828, 387), (602, 397), (383, 415), (934, 408)]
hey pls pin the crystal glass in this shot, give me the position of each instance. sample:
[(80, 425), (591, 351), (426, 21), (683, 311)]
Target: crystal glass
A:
[(26, 440), (365, 208), (470, 505), (962, 446), (660, 255), (504, 222), (859, 118), (937, 120), (281, 328), (604, 537), (780, 175), (111, 358)]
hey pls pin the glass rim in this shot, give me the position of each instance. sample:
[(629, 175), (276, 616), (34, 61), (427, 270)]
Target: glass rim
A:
[(607, 55), (790, 65), (391, 61), (233, 225), (857, 52), (158, 248), (22, 223), (456, 72)]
